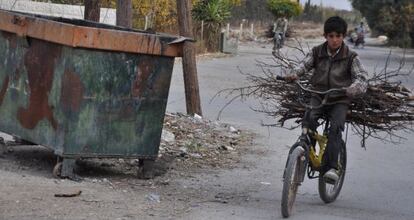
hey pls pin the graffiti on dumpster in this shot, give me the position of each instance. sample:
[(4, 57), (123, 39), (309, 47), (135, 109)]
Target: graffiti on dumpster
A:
[(39, 61)]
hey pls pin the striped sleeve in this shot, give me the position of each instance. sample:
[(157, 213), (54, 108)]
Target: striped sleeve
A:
[(305, 66), (359, 75)]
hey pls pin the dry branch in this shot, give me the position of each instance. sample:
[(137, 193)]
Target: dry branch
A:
[(386, 107)]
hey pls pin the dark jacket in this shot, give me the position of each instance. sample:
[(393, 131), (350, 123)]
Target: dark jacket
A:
[(332, 72)]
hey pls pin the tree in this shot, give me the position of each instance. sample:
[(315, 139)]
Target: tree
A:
[(391, 17), (124, 13), (284, 8), (213, 13), (160, 13), (92, 10)]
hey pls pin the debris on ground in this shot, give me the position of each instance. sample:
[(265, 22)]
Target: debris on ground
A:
[(203, 143), (74, 194)]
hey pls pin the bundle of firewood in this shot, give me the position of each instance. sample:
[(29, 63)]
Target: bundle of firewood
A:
[(385, 108)]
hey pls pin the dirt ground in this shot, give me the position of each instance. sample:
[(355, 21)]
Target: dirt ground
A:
[(110, 188)]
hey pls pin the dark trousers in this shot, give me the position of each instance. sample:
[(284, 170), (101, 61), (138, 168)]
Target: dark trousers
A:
[(336, 114)]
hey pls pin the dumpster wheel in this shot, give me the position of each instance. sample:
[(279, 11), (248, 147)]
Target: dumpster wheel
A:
[(57, 170), (3, 146), (145, 168)]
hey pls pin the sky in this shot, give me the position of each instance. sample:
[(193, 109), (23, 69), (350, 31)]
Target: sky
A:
[(339, 4)]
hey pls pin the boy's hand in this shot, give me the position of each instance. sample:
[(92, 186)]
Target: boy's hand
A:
[(353, 91), (291, 77)]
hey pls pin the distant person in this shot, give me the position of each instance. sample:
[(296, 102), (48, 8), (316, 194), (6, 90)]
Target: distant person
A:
[(279, 30), (360, 31), (354, 36)]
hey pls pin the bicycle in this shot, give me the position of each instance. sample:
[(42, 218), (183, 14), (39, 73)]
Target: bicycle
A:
[(306, 156)]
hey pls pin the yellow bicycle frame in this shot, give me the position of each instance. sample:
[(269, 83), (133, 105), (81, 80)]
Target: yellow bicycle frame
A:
[(316, 159)]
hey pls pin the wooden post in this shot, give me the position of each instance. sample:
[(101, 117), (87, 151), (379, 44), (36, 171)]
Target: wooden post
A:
[(228, 29), (241, 29), (202, 30), (92, 10), (146, 22), (124, 13), (192, 95)]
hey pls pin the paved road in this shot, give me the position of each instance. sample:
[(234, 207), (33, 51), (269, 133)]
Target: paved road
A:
[(379, 181)]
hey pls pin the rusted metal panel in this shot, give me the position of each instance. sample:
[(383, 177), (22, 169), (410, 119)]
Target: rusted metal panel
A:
[(82, 102), (90, 35)]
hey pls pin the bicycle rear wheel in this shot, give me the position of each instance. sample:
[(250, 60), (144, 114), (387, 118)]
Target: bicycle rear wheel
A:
[(292, 179), (329, 192)]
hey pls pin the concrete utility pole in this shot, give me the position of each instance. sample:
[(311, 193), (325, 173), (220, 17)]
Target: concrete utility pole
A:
[(124, 13), (92, 10), (192, 94)]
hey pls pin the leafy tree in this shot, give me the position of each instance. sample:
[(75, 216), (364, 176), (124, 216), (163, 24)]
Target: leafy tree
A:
[(284, 8), (162, 14), (391, 17), (252, 10), (213, 13)]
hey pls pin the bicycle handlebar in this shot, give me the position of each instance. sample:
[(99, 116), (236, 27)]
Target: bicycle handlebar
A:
[(311, 90), (323, 102)]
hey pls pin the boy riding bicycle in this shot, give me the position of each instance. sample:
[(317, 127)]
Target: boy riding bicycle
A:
[(335, 66)]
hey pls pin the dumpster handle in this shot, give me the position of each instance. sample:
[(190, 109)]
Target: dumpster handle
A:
[(181, 40)]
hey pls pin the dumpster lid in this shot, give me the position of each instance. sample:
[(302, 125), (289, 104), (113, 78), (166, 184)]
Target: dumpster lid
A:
[(88, 34)]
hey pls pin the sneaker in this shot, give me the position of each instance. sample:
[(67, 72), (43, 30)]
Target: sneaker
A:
[(331, 176)]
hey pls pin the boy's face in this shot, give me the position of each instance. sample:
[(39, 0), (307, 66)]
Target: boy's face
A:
[(334, 40)]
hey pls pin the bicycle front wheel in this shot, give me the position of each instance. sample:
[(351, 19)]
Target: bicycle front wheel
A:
[(292, 179), (329, 192)]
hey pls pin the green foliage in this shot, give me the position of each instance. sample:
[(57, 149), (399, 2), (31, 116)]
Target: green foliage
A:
[(213, 13), (319, 14), (390, 17), (216, 11), (252, 10), (284, 8)]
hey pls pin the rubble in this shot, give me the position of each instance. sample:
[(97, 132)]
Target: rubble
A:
[(202, 143)]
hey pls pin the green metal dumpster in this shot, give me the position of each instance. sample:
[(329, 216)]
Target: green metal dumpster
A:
[(84, 89)]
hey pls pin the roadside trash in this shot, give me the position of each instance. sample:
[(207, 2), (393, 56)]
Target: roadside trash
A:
[(183, 150), (198, 117), (152, 197), (167, 136), (196, 155), (77, 193), (223, 147), (265, 183), (233, 130)]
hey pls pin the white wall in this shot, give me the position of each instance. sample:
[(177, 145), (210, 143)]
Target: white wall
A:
[(108, 16)]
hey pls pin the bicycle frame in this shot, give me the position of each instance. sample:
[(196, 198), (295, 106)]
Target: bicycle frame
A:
[(316, 157), (313, 158)]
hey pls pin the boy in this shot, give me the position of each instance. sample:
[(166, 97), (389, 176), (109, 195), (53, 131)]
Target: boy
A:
[(335, 66)]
